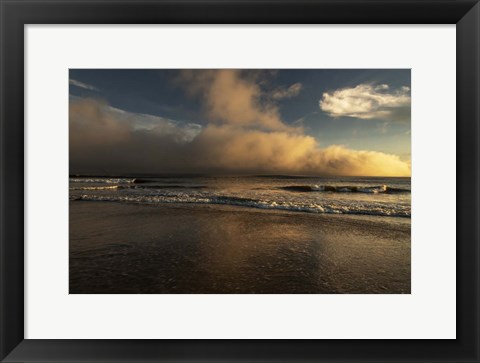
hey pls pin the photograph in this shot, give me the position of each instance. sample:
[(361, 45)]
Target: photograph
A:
[(239, 181)]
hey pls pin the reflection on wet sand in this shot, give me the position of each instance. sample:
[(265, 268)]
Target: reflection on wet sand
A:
[(121, 248)]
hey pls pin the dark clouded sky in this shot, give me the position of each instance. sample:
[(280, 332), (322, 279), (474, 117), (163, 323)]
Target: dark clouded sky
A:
[(335, 122)]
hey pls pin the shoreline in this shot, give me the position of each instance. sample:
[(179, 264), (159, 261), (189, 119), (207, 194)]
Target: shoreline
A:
[(245, 208)]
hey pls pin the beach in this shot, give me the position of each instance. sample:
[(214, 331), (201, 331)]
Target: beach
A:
[(127, 248)]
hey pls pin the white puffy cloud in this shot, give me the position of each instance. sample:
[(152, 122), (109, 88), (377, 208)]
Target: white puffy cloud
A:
[(367, 101)]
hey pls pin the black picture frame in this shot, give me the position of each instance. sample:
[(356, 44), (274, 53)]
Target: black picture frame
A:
[(15, 14)]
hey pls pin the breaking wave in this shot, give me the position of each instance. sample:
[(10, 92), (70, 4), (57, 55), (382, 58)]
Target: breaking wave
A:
[(109, 187), (103, 180), (344, 189), (98, 188), (358, 208)]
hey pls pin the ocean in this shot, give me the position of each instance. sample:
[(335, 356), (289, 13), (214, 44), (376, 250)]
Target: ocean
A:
[(388, 197)]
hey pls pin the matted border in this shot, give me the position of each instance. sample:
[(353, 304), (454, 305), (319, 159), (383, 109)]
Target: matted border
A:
[(51, 313), (15, 14)]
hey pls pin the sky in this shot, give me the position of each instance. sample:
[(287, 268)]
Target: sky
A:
[(348, 122)]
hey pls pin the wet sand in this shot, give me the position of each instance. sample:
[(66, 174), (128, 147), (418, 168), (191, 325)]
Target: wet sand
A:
[(168, 248)]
